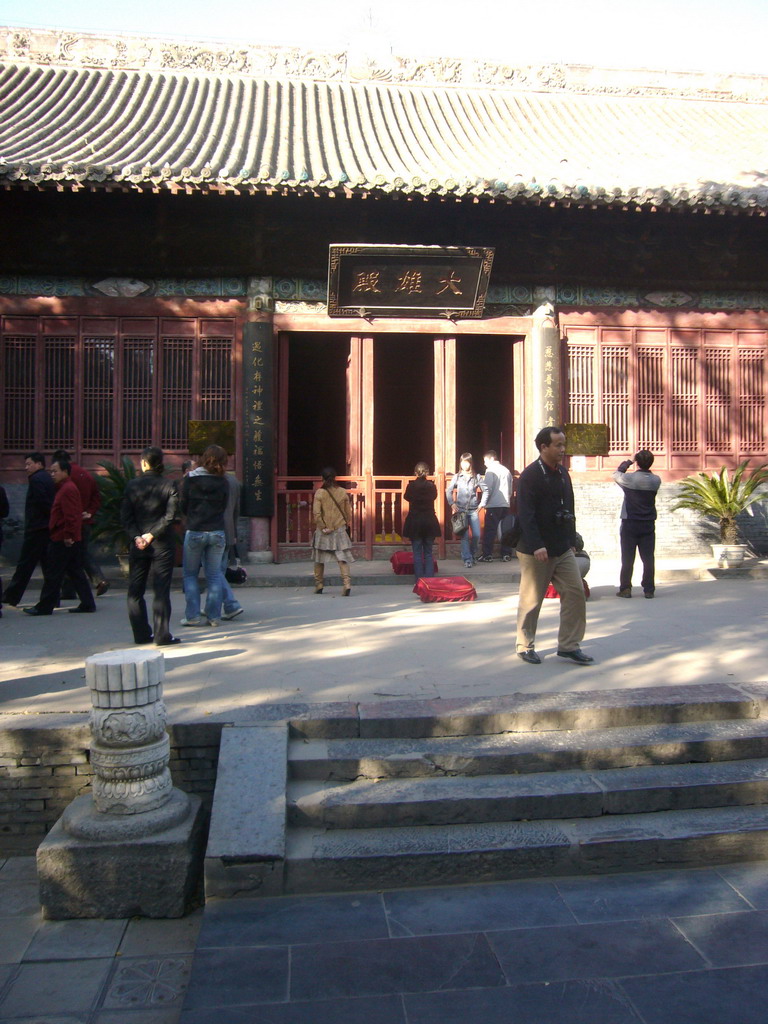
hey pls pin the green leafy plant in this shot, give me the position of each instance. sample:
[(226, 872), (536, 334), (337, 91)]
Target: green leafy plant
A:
[(722, 497), (107, 525)]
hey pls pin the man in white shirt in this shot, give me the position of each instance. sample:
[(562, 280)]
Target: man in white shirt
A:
[(497, 493)]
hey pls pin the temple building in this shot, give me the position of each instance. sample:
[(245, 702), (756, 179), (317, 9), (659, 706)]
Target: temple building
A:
[(367, 264)]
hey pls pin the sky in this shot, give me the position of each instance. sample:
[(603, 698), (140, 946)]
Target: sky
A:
[(700, 35)]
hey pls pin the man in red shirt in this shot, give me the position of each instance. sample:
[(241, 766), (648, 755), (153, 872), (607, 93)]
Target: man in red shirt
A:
[(85, 482), (65, 547)]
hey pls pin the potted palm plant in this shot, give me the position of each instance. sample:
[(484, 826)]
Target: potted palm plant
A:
[(107, 524), (723, 497)]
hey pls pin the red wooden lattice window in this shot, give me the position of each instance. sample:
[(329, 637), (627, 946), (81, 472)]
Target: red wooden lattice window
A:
[(112, 385), (678, 392)]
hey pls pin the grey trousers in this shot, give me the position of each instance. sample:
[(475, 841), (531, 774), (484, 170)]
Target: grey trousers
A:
[(563, 573)]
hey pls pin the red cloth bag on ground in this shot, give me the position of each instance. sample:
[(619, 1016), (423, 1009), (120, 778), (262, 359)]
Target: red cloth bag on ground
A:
[(551, 592), (447, 588), (402, 563)]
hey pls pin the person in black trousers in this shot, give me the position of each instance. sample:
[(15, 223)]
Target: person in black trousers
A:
[(64, 556), (41, 491), (4, 510), (148, 512)]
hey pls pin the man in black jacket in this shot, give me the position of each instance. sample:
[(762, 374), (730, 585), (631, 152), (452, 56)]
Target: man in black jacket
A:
[(148, 512), (41, 491), (638, 521), (545, 510)]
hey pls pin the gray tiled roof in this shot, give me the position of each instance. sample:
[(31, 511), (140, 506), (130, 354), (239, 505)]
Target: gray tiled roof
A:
[(159, 129)]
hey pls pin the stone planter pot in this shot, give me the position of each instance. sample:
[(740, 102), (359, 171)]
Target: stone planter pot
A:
[(729, 556)]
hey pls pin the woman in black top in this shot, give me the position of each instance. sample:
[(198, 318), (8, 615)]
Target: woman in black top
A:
[(421, 525), (204, 493)]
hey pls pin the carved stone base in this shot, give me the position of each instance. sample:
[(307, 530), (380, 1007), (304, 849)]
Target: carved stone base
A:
[(157, 875)]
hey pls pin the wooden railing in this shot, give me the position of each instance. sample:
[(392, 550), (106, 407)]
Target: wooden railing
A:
[(378, 513)]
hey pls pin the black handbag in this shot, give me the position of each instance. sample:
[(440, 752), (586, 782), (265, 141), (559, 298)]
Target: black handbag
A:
[(460, 522)]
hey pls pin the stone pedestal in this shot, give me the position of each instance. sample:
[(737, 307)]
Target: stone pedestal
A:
[(133, 847)]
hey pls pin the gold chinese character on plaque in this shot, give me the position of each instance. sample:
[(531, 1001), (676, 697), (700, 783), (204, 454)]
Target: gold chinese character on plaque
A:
[(367, 281), (409, 281), (450, 283)]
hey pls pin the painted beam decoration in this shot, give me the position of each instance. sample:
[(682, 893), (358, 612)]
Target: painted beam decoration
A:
[(408, 281)]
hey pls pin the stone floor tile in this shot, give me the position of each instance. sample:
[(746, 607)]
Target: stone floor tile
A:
[(146, 936), (729, 940), (139, 1017), (75, 940), (750, 880), (19, 869), (475, 908), (62, 987), (52, 1018), (588, 951), (19, 898), (145, 982), (383, 966), (648, 894), (374, 1010), (237, 977), (16, 933), (288, 920), (571, 1002), (733, 995)]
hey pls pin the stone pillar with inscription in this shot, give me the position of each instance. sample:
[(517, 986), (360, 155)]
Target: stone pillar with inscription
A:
[(134, 846), (259, 412), (544, 403)]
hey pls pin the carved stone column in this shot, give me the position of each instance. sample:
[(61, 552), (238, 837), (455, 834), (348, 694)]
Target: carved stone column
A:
[(133, 846)]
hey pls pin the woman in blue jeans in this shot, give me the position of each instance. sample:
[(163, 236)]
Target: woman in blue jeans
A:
[(421, 525), (463, 494), (204, 493)]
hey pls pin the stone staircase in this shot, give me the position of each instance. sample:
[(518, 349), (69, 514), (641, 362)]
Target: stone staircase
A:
[(422, 793)]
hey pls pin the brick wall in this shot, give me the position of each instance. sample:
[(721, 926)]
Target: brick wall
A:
[(43, 769), (678, 534)]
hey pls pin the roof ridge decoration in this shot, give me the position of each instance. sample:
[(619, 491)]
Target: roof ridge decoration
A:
[(90, 50)]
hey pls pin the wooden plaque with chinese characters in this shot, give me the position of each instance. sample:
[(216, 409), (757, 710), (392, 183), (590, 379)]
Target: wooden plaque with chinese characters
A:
[(408, 280), (586, 438)]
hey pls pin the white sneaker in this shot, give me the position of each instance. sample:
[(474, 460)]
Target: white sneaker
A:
[(199, 621), (232, 615)]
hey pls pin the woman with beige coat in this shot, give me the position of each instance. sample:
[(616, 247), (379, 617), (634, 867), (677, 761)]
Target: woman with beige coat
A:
[(332, 514)]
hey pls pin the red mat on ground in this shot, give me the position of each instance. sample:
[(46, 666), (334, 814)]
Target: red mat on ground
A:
[(447, 588), (402, 563), (551, 592)]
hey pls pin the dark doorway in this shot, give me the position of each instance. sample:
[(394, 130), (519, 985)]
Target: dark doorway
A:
[(484, 412), (403, 404), (317, 403)]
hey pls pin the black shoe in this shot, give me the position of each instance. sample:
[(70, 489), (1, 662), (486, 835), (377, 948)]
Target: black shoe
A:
[(168, 643), (79, 608), (649, 593), (102, 587), (626, 592), (485, 558), (506, 558), (346, 591), (142, 642), (318, 590), (578, 656), (530, 656), (35, 611)]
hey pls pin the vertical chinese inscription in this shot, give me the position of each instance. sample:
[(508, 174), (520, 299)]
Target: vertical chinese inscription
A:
[(258, 433)]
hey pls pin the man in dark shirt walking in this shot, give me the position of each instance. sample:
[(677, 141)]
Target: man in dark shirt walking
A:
[(545, 510), (41, 491), (638, 522)]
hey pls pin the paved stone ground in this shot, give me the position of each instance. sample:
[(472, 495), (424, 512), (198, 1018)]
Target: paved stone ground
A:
[(661, 947)]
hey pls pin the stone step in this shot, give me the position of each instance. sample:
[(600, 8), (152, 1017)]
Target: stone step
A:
[(511, 753), (527, 712), (344, 860), (454, 800)]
